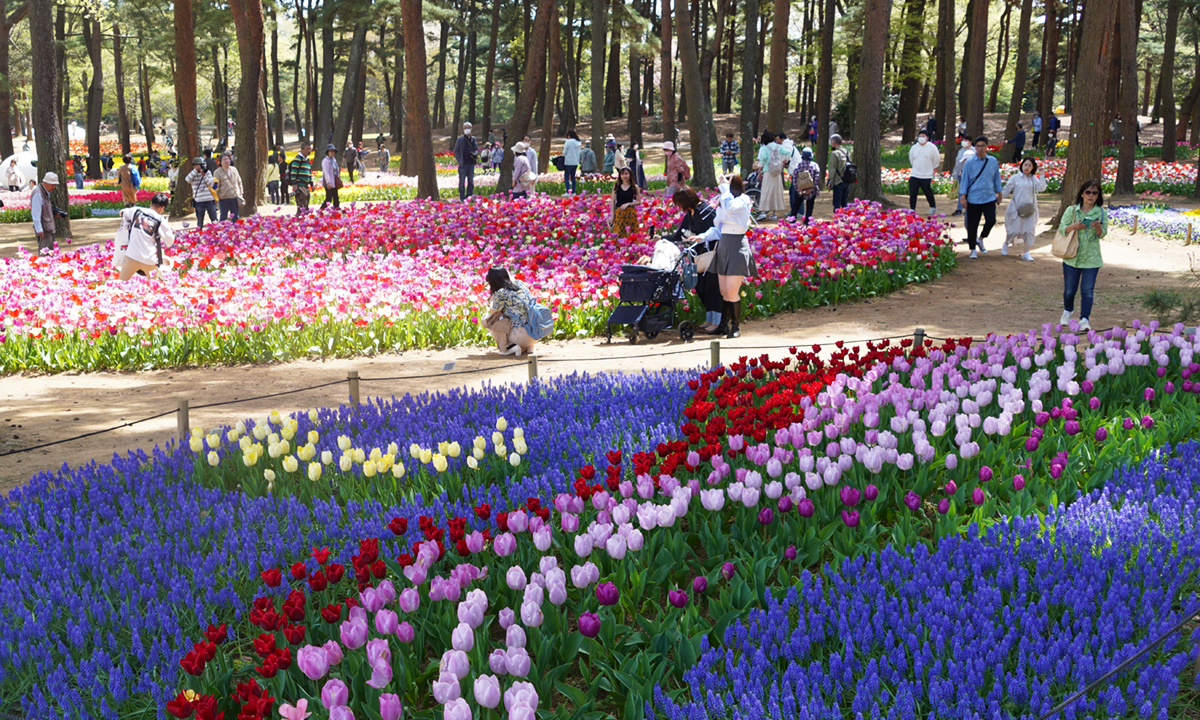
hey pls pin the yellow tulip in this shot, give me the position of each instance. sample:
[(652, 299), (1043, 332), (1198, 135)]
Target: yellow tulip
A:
[(250, 458), (274, 418), (313, 436), (284, 447), (375, 454), (214, 441), (290, 464), (273, 439), (269, 474), (359, 456), (231, 436), (501, 424), (518, 433), (426, 455), (444, 447), (398, 470), (369, 468), (480, 443), (501, 452), (198, 432), (477, 453), (386, 462), (345, 462), (245, 442), (472, 463), (260, 431), (312, 414), (213, 458), (344, 443), (393, 449), (287, 432), (240, 427), (439, 462), (454, 450), (196, 444), (497, 439), (514, 459), (414, 450), (314, 471), (326, 457), (520, 446), (274, 450)]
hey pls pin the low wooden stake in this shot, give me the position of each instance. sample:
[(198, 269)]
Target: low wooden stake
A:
[(533, 373), (919, 338), (1135, 220), (715, 351), (183, 426), (352, 378)]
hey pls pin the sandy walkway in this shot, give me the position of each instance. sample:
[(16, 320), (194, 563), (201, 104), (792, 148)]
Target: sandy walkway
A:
[(991, 294)]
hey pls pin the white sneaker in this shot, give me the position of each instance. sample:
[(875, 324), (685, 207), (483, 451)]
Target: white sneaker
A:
[(1028, 257), (1066, 317), (974, 254), (1004, 249), (1084, 325), (518, 351), (982, 249)]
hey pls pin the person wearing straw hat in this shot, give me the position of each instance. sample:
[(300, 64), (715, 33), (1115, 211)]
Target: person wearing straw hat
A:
[(43, 212), (524, 180), (331, 177)]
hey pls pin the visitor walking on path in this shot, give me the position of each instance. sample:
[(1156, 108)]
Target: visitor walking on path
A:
[(272, 178), (571, 152), (931, 127), (130, 180), (678, 172), (979, 190), (466, 151), (805, 187), (497, 156), (924, 159), (1037, 130), (1088, 219), (524, 180), (771, 159), (1018, 143), (284, 180), (350, 160), (626, 196), (385, 159), (633, 159), (964, 152), (202, 183), (43, 212), (734, 259), (229, 188), (300, 175), (836, 179), (331, 177), (1021, 216), (729, 154), (531, 155), (587, 160)]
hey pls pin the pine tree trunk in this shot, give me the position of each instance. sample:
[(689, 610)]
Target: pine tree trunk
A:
[(324, 127), (6, 99), (612, 89), (60, 57), (1146, 89), (666, 63), (119, 82), (711, 54), (699, 114), (95, 98), (252, 110), (51, 147), (275, 90), (296, 116), (1050, 68), (1016, 105), (1185, 107), (397, 97), (777, 101), (472, 52), (460, 84), (1167, 80), (535, 65), (220, 95), (1001, 57), (553, 72), (188, 141), (760, 68), (825, 82), (870, 95), (569, 114), (147, 111), (597, 109), (1128, 21), (360, 104), (439, 96), (418, 132), (1073, 18), (975, 73), (1088, 132), (635, 94), (911, 70), (345, 117), (950, 116), (749, 80), (490, 77)]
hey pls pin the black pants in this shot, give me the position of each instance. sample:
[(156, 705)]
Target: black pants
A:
[(466, 181), (985, 210), (916, 184), (331, 196), (840, 193), (1035, 137)]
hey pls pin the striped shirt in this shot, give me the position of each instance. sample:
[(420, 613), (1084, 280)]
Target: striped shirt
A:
[(300, 172)]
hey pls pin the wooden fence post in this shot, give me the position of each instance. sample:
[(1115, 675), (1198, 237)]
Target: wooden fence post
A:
[(533, 371), (183, 426), (352, 378), (715, 352), (919, 338)]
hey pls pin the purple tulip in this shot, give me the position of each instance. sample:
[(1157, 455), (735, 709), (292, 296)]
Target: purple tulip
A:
[(677, 598), (405, 632), (766, 515), (1018, 483), (806, 508), (871, 493), (1149, 393), (589, 624), (912, 500), (457, 709), (1055, 413), (487, 691), (1041, 419), (1169, 387), (1056, 471), (985, 474), (313, 661), (785, 504), (1031, 444), (386, 623), (410, 599), (1088, 387), (504, 544), (334, 694), (790, 553), (1094, 403), (943, 506), (977, 496), (1072, 428), (333, 651), (699, 584), (850, 496), (354, 631), (1127, 424), (1161, 372), (390, 707), (727, 571), (951, 488), (608, 594), (850, 518), (1147, 422), (1101, 434), (341, 712)]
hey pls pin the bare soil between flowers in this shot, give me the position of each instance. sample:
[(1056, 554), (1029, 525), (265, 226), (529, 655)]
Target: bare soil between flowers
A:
[(989, 294)]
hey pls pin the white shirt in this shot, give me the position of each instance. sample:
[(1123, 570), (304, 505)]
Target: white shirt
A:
[(924, 160), (140, 236), (531, 155), (733, 215)]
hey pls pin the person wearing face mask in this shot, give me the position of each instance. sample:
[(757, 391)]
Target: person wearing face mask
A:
[(963, 153), (979, 189), (466, 152), (924, 159)]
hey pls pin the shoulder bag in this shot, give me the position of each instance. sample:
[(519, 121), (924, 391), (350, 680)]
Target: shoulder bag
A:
[(1066, 245), (803, 181)]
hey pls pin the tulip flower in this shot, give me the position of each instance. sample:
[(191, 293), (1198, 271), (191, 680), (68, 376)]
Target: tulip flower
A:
[(300, 710), (850, 518), (486, 691), (677, 598), (518, 662), (463, 638), (985, 473), (1018, 483), (790, 553), (456, 709), (727, 571), (390, 707), (943, 506), (765, 516), (871, 493), (313, 661), (341, 713), (977, 496), (354, 630), (607, 594), (589, 624), (912, 501), (334, 694), (498, 662), (699, 584), (806, 508)]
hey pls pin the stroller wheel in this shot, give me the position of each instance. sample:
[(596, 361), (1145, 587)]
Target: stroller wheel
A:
[(651, 335), (687, 330), (633, 336), (608, 335)]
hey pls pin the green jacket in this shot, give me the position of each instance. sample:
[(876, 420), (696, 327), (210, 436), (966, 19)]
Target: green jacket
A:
[(837, 165)]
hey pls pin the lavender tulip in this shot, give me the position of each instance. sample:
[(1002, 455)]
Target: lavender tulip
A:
[(456, 709), (390, 707), (486, 691), (334, 693), (313, 661)]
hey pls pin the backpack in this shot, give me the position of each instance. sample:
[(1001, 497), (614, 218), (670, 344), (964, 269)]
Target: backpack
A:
[(850, 173), (775, 164), (541, 321)]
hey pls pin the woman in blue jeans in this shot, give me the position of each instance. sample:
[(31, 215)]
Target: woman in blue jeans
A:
[(1089, 220)]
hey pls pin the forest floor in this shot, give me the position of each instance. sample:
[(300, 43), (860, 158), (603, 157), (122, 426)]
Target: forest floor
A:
[(990, 294)]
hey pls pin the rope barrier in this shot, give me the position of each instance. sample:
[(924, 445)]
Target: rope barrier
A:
[(87, 435), (266, 397)]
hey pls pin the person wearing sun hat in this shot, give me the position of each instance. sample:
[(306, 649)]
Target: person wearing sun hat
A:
[(524, 179), (678, 171), (42, 210), (331, 177)]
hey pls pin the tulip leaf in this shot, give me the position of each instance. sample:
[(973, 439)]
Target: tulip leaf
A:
[(570, 647), (575, 694)]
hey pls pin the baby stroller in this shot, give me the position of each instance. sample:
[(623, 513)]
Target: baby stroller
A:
[(648, 294), (753, 185)]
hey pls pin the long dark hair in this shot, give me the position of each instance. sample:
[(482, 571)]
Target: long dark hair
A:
[(498, 277), (1090, 184), (632, 179)]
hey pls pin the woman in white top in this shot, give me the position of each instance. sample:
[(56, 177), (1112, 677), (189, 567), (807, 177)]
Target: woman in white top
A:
[(13, 176), (734, 259), (772, 199), (524, 179), (143, 231), (1021, 217), (963, 153), (331, 177)]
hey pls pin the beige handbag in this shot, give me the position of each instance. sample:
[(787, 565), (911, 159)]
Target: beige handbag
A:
[(703, 260), (1066, 245)]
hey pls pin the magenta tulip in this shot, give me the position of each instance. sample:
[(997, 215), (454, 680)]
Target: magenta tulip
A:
[(677, 598), (607, 594), (699, 584), (589, 624)]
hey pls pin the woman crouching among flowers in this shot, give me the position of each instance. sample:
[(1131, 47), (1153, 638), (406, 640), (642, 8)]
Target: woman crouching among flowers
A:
[(509, 319)]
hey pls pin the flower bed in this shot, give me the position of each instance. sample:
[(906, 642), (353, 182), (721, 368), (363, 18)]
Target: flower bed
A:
[(83, 202), (384, 277), (1164, 222), (402, 555), (1171, 178)]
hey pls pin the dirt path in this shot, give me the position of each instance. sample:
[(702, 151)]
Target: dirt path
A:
[(991, 294)]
